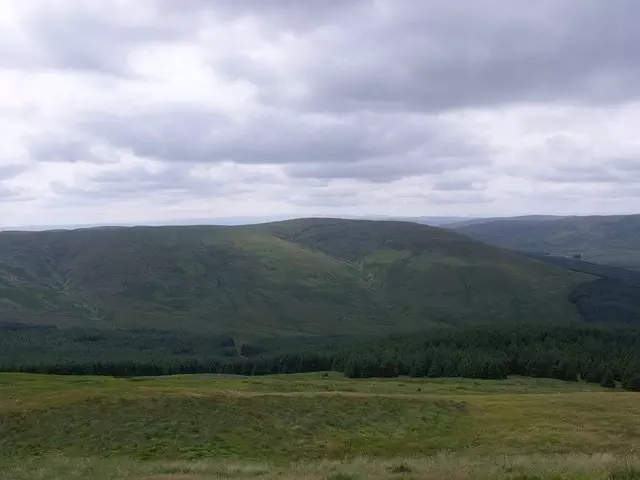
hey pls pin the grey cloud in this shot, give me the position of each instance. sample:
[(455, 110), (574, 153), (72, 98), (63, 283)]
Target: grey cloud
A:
[(10, 171), (85, 36), (379, 148), (457, 185), (283, 14), (328, 197), (172, 182), (384, 170), (424, 55), (450, 198), (5, 192), (357, 93), (565, 176), (429, 55), (629, 191), (627, 165), (377, 171), (11, 194), (203, 136), (563, 158), (597, 170), (63, 150)]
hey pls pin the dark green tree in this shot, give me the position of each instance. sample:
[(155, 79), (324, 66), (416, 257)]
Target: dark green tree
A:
[(259, 368), (569, 372), (607, 380), (352, 369), (628, 374), (435, 370), (633, 385), (418, 368), (389, 369)]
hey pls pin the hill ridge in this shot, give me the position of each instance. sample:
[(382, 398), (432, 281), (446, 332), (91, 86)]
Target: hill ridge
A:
[(304, 276)]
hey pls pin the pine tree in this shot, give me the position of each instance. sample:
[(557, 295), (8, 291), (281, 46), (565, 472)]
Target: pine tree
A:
[(246, 368), (418, 369), (435, 370), (259, 368), (335, 365), (633, 385), (570, 372), (352, 369), (594, 374), (389, 369), (370, 368), (495, 371), (607, 380), (627, 375)]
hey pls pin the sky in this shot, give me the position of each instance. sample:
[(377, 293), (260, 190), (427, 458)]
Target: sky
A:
[(152, 110)]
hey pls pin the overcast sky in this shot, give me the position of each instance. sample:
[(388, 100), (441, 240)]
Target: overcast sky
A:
[(149, 110)]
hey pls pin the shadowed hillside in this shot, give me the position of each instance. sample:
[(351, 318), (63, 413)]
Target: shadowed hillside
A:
[(611, 240), (311, 276), (613, 298)]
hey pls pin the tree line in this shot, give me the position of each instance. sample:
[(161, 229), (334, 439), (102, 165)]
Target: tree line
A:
[(609, 355)]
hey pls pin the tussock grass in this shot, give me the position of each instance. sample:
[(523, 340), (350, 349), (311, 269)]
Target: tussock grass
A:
[(453, 467), (315, 427)]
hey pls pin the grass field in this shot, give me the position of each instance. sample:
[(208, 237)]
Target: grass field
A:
[(451, 467), (310, 426)]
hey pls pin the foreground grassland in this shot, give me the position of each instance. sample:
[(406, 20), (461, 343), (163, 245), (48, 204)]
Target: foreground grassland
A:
[(450, 467), (309, 426)]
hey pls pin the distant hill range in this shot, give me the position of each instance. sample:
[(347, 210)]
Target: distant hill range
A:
[(609, 240), (461, 223), (297, 277)]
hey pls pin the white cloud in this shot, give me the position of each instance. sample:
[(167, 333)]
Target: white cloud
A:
[(114, 110)]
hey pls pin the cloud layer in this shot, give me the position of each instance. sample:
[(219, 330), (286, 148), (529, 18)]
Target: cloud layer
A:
[(142, 111)]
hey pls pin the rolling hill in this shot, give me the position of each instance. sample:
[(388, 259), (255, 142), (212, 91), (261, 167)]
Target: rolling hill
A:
[(477, 221), (610, 240), (309, 276)]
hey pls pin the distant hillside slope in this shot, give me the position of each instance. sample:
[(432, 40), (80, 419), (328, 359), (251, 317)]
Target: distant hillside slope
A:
[(611, 240), (613, 298), (477, 221), (312, 276)]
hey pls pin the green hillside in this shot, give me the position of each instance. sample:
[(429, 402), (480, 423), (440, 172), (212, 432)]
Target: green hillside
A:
[(312, 276), (611, 240)]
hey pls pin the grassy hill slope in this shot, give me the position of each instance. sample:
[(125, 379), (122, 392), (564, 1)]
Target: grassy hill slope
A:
[(313, 276), (611, 240)]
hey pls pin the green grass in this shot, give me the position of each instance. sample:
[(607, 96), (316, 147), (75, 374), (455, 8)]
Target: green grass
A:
[(34, 390), (314, 427), (312, 417), (313, 276)]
